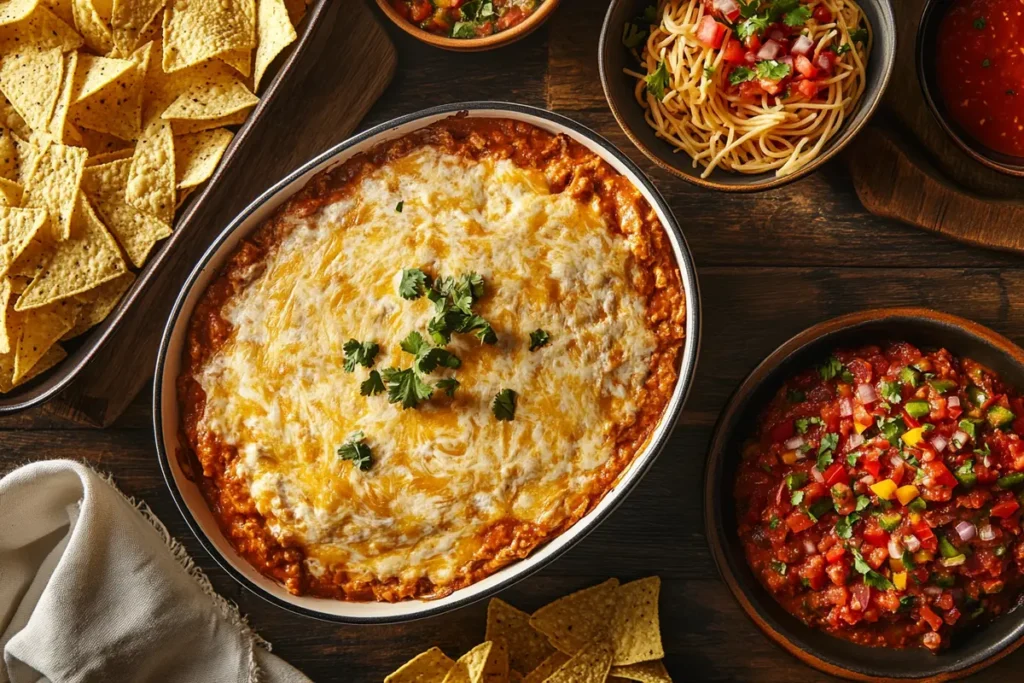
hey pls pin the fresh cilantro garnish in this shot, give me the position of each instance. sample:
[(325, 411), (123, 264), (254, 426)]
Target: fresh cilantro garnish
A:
[(819, 508), (979, 23), (795, 480), (749, 9), (453, 301), (448, 385), (406, 387), (830, 369), (891, 428), (967, 427), (841, 49), (752, 26), (357, 452), (802, 424), (844, 526), (779, 567), (863, 502), (633, 36), (877, 581), (399, 206), (658, 81), (414, 343), (779, 8), (504, 404), (858, 561), (359, 353), (797, 497), (428, 357), (741, 74), (464, 29), (797, 17), (828, 444), (709, 72), (373, 384), (477, 10), (414, 283), (859, 35), (851, 458), (774, 523), (538, 338), (772, 70), (907, 560), (890, 391)]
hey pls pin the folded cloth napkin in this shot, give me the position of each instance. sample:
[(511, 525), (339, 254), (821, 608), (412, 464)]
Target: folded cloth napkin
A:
[(92, 588)]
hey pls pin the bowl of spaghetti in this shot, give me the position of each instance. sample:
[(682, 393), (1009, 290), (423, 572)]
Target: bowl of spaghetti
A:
[(745, 96)]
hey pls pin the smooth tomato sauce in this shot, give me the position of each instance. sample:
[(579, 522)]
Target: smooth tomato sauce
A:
[(881, 499), (980, 66)]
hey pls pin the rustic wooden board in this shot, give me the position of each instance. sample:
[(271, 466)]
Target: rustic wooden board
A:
[(347, 68)]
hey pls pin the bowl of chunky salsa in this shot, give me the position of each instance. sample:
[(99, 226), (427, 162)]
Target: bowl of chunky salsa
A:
[(468, 25), (869, 494)]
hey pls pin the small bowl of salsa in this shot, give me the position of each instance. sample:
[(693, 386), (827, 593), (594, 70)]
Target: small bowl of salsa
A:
[(970, 61), (468, 25)]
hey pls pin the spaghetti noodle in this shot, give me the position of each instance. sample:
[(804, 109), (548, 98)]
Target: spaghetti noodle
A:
[(750, 87)]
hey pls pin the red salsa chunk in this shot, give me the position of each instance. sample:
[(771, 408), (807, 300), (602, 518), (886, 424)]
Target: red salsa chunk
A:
[(881, 499), (465, 18)]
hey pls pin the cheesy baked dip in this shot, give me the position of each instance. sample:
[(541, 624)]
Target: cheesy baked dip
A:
[(434, 358)]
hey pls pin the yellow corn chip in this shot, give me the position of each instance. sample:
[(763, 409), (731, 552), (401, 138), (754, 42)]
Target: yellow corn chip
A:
[(197, 31), (62, 8), (18, 229), (575, 620), (196, 156), (186, 127), (11, 119), (546, 668), (53, 355), (5, 299), (162, 88), (98, 74), (635, 630), (31, 81), (116, 109), (10, 192), (182, 196), (487, 662), (135, 230), (97, 304), (40, 328), (590, 665), (93, 27), (8, 155), (239, 60), (42, 29), (102, 143), (211, 100), (27, 153), (107, 157), (59, 128), (16, 10), (428, 667), (274, 32), (129, 19), (645, 672), (151, 179), (527, 648), (52, 184)]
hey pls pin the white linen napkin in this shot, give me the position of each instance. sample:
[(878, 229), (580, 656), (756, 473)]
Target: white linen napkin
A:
[(93, 588)]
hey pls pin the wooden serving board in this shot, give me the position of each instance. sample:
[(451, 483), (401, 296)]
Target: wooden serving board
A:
[(348, 66), (904, 166)]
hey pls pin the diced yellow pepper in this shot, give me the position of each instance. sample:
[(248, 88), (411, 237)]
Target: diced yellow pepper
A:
[(859, 427), (789, 457), (896, 565), (922, 556), (884, 489), (915, 517), (907, 493), (899, 579), (912, 437)]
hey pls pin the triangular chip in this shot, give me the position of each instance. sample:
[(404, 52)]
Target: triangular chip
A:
[(11, 119), (213, 99), (527, 647), (107, 157), (573, 621), (485, 663), (100, 75), (645, 672), (16, 10), (239, 60), (18, 228), (546, 668), (97, 304), (102, 143), (40, 328), (59, 128), (52, 184), (274, 32), (53, 355), (195, 32), (31, 80), (129, 19), (162, 88), (135, 230), (636, 632), (427, 667), (196, 156), (87, 259), (62, 8), (42, 29), (151, 180), (93, 27), (6, 290), (116, 108), (590, 665), (8, 155), (10, 192), (181, 127)]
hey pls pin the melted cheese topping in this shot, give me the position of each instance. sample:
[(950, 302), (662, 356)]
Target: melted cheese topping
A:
[(447, 471)]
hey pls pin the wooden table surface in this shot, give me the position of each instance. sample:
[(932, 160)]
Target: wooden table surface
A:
[(769, 265)]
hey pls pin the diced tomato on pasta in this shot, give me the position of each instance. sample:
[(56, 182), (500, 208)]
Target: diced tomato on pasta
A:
[(710, 32)]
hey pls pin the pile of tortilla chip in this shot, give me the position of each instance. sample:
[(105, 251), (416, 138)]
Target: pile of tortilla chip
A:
[(608, 632), (111, 113)]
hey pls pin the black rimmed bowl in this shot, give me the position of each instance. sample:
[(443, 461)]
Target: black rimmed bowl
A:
[(927, 74), (613, 57), (972, 650), (173, 454)]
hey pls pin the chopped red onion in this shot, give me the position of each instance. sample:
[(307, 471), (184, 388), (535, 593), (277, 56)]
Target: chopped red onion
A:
[(861, 596), (960, 439), (911, 543), (987, 461), (802, 46), (728, 8), (750, 57), (953, 402), (818, 476), (867, 480), (932, 591), (866, 394), (845, 407), (895, 550), (810, 547), (770, 50), (787, 60), (794, 443), (986, 533), (855, 440), (896, 461), (777, 35), (966, 530), (939, 443)]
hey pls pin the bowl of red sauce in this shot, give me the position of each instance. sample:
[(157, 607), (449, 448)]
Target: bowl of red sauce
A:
[(864, 493), (970, 60), (468, 25)]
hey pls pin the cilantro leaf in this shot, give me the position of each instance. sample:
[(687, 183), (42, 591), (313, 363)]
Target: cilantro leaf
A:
[(357, 452), (399, 206), (797, 497), (772, 70), (448, 385), (779, 567), (780, 8), (406, 387), (844, 526), (828, 444), (795, 480), (830, 369), (538, 338), (431, 358), (802, 424), (842, 49), (851, 458), (891, 391), (858, 562), (741, 74), (877, 581), (633, 36), (373, 384), (709, 72), (414, 343), (749, 9), (414, 283), (658, 81), (753, 26), (859, 35), (504, 404), (797, 17), (863, 502), (359, 353)]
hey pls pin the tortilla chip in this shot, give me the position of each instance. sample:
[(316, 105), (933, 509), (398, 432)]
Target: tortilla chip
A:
[(42, 29), (212, 99), (197, 31), (11, 119), (428, 667), (52, 184), (62, 8), (183, 127), (485, 663), (527, 648), (98, 74), (5, 299), (129, 19), (16, 10), (196, 156), (93, 27), (8, 155), (635, 631), (239, 60), (151, 179), (546, 668), (10, 192), (31, 80), (18, 228), (27, 151), (575, 620), (135, 230), (38, 329), (107, 157), (102, 143), (53, 355), (182, 196), (274, 32), (86, 260), (116, 108), (162, 88), (645, 672), (590, 665), (97, 304), (58, 127)]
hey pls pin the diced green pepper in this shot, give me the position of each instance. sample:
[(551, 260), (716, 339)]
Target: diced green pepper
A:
[(945, 580), (965, 474), (918, 505), (889, 520), (942, 385), (909, 375), (976, 396), (1011, 480), (947, 549), (819, 508), (918, 408), (999, 416)]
